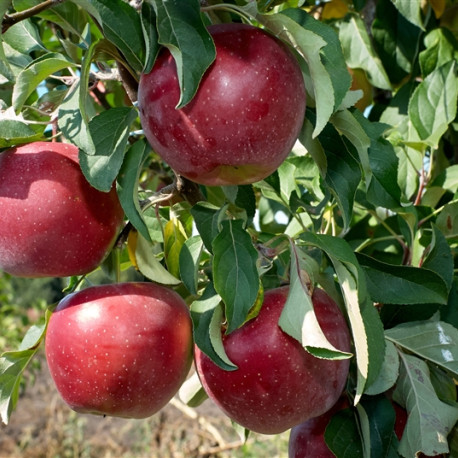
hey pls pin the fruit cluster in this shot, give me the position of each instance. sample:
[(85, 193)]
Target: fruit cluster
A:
[(125, 349)]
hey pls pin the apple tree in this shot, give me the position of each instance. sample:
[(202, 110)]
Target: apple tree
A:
[(249, 156)]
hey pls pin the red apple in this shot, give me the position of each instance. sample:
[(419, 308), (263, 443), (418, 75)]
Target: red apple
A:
[(278, 384), (244, 118), (54, 223), (307, 439), (401, 420), (121, 349)]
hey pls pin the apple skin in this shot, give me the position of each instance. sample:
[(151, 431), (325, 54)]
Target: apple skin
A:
[(54, 223), (121, 349), (401, 420), (306, 440), (244, 119), (278, 384)]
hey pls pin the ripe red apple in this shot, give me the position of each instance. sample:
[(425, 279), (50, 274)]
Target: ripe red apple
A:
[(278, 384), (121, 349), (306, 440), (244, 118), (54, 223), (401, 420)]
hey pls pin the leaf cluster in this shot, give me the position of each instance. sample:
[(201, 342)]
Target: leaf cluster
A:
[(365, 206)]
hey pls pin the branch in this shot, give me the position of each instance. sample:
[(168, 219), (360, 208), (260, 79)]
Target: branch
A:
[(11, 19)]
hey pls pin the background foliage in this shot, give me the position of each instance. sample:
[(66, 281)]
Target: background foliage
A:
[(366, 203)]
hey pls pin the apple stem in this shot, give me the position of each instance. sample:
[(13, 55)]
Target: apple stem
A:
[(188, 189)]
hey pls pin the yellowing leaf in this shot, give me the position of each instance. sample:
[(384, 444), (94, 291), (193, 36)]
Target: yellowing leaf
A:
[(335, 9), (438, 7), (132, 246), (174, 238)]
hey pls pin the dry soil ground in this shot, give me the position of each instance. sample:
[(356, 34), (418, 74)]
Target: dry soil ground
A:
[(42, 426)]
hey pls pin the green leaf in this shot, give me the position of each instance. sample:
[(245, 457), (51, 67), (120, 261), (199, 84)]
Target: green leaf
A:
[(13, 365), (343, 174), (434, 341), (393, 284), (127, 185), (181, 30), (38, 70), (429, 419), (70, 120), (66, 15), (383, 190), (439, 257), (366, 327), (449, 312), (14, 132), (331, 54), (448, 179), (441, 47), (246, 199), (109, 131), (359, 53), (411, 10), (396, 40), (447, 221), (377, 417), (189, 262), (148, 21), (433, 104), (298, 317), (192, 392), (115, 16), (288, 184), (207, 314), (347, 124), (235, 273), (24, 37), (206, 217), (311, 144), (98, 49), (150, 266), (382, 181), (342, 435), (308, 44), (174, 238), (389, 372)]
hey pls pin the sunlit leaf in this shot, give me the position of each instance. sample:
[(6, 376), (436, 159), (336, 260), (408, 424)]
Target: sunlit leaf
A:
[(411, 10), (365, 322), (434, 341), (388, 373), (298, 317), (207, 314), (392, 284), (181, 30), (29, 78), (149, 265), (14, 132), (308, 44), (13, 365), (109, 131), (359, 52), (433, 104), (429, 420)]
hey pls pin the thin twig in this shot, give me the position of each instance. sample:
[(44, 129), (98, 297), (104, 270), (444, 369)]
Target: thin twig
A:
[(14, 18)]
